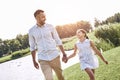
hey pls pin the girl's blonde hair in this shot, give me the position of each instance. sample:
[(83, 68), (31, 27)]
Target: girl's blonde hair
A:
[(83, 31)]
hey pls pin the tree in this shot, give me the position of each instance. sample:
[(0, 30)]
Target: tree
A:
[(14, 45), (69, 30), (23, 40), (1, 48), (96, 22)]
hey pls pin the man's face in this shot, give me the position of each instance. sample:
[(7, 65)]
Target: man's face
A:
[(41, 18)]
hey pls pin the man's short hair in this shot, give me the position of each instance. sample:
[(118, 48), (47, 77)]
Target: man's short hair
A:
[(38, 12)]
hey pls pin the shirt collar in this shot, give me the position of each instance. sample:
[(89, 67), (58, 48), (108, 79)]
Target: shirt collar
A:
[(38, 26)]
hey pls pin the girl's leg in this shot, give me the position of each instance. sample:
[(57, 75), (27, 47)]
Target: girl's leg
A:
[(90, 73)]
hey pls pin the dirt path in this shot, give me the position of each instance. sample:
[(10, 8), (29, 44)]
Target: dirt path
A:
[(23, 69)]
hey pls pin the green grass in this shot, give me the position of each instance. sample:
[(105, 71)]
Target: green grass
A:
[(92, 36), (6, 58), (104, 72), (15, 55), (68, 43)]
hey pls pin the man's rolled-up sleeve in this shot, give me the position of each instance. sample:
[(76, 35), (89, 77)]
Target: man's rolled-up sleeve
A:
[(31, 42), (56, 37)]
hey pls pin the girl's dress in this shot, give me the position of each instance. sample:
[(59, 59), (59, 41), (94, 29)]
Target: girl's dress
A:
[(86, 55)]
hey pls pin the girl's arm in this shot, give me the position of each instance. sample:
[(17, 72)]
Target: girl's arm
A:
[(74, 53), (97, 52)]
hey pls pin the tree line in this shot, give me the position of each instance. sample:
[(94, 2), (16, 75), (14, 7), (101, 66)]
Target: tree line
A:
[(69, 30), (9, 46), (112, 19), (21, 41)]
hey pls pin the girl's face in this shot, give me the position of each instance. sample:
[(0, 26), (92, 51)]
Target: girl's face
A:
[(80, 34)]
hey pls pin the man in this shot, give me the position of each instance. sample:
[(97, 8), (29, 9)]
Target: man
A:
[(44, 38)]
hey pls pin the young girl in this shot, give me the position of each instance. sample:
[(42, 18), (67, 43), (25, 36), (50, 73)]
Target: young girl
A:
[(86, 48)]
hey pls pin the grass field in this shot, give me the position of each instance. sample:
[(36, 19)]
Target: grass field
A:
[(104, 72)]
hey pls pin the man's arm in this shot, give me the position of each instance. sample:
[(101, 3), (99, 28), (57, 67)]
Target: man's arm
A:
[(59, 43), (33, 49), (64, 58), (34, 59)]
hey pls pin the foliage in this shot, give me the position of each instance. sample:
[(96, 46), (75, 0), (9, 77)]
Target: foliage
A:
[(96, 22), (112, 19), (103, 45), (69, 30), (21, 41), (15, 55), (101, 36), (6, 58), (18, 54), (68, 43), (109, 33), (9, 46)]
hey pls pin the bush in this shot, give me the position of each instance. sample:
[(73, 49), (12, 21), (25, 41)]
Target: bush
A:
[(21, 53), (109, 33), (17, 55), (102, 44)]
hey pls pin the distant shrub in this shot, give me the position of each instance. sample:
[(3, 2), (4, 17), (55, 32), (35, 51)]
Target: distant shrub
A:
[(110, 33), (103, 45), (18, 54)]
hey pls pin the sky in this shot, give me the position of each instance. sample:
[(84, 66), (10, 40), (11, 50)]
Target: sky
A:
[(16, 16)]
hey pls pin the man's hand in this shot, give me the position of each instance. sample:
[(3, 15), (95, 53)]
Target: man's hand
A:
[(64, 58), (36, 65)]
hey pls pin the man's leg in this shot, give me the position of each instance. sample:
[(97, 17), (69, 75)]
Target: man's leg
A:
[(56, 65), (46, 69)]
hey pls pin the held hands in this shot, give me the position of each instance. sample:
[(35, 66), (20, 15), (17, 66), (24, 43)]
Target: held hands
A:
[(64, 58)]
